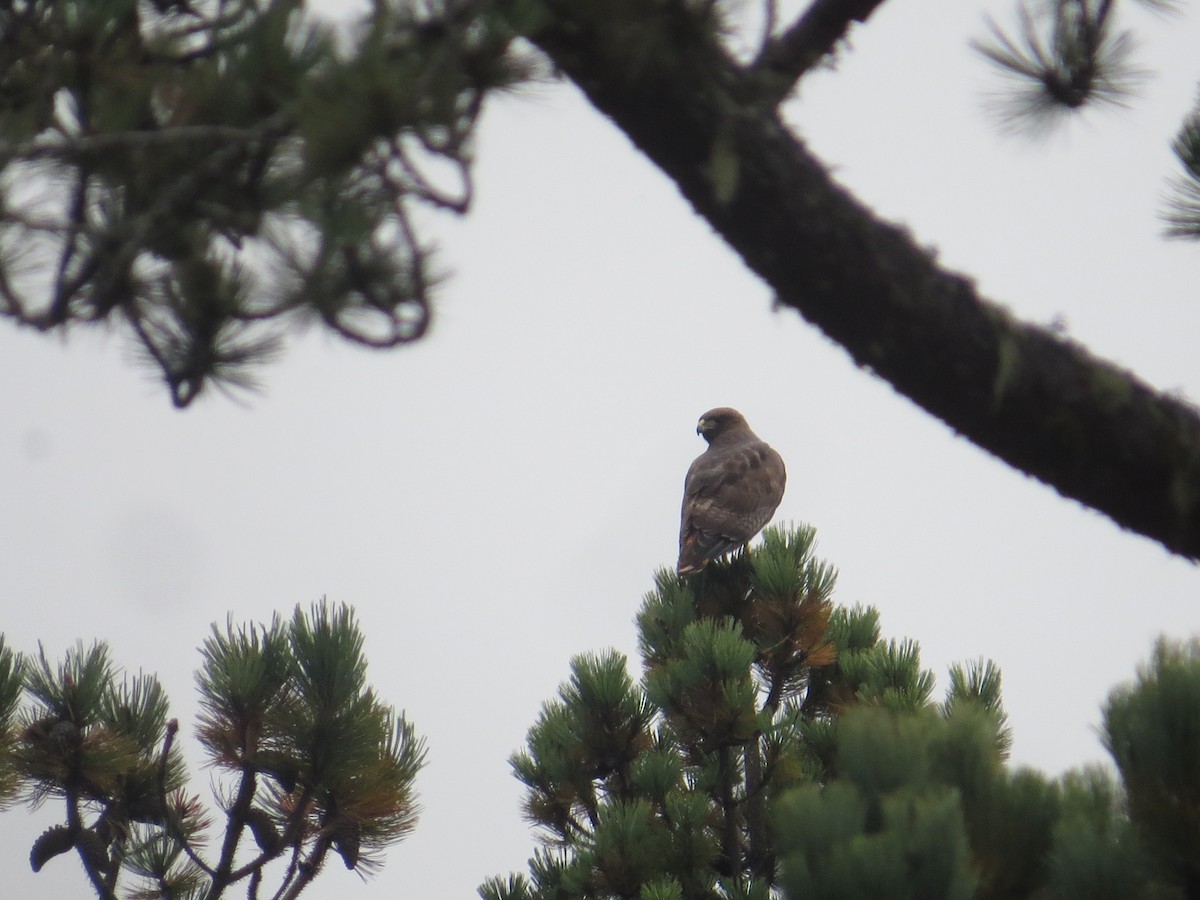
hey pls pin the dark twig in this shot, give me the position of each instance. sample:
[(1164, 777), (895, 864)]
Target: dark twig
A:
[(164, 759), (289, 876), (309, 868), (293, 836), (173, 827), (812, 37), (76, 218), (223, 875)]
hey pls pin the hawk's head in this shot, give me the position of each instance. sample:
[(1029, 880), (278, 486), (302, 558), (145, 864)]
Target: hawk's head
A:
[(718, 421)]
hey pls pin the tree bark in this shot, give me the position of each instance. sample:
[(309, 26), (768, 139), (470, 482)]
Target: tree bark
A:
[(1039, 402)]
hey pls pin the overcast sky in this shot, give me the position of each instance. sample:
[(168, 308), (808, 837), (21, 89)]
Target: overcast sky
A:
[(496, 499)]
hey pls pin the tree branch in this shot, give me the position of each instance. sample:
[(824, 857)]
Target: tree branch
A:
[(84, 847), (1043, 404), (310, 867), (223, 875), (171, 825), (809, 39)]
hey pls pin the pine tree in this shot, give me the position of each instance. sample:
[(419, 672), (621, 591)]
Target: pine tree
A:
[(312, 761), (776, 743), (1152, 729)]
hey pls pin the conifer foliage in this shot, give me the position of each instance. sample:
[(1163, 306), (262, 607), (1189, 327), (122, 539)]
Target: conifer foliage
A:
[(1063, 56), (309, 761), (776, 744), (200, 173)]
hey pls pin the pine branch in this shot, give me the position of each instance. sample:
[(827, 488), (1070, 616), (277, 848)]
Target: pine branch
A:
[(223, 875), (812, 37), (169, 823), (104, 890), (192, 150), (62, 297), (165, 758), (310, 867), (1045, 405), (293, 869)]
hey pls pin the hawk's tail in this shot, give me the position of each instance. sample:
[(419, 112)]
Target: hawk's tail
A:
[(699, 549)]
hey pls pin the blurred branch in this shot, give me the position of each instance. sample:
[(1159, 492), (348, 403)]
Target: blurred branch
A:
[(210, 176), (1045, 405), (770, 22), (812, 37)]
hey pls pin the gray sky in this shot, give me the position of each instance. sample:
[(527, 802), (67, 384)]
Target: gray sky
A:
[(496, 499)]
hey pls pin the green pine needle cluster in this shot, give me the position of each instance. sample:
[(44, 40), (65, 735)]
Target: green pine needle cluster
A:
[(1066, 54), (88, 735), (1183, 206), (777, 745), (1152, 729), (12, 677), (311, 761)]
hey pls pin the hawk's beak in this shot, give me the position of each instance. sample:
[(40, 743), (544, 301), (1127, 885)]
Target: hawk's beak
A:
[(702, 426)]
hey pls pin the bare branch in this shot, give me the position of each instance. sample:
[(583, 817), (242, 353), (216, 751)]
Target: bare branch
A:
[(810, 38)]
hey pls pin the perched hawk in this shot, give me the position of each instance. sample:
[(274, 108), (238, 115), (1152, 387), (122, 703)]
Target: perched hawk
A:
[(731, 490)]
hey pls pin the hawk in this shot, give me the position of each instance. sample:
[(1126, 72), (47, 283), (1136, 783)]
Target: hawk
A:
[(731, 490)]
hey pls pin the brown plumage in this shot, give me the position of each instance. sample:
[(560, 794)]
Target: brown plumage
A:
[(731, 490)]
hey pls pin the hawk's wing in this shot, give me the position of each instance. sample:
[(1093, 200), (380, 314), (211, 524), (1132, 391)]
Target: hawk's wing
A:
[(728, 496)]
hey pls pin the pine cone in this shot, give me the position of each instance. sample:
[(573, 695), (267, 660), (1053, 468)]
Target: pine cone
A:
[(52, 842)]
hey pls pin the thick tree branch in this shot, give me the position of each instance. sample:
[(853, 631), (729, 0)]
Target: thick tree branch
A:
[(1043, 404), (809, 39)]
